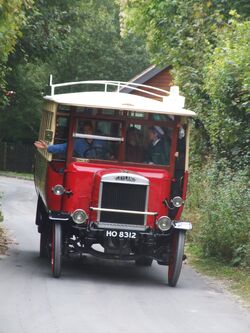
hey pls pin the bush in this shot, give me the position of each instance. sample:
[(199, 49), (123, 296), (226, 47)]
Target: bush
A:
[(219, 206), (227, 82)]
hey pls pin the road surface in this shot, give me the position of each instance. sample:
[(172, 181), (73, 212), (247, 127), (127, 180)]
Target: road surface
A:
[(97, 296)]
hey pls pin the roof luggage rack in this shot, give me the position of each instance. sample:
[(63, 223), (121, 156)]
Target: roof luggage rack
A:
[(116, 86)]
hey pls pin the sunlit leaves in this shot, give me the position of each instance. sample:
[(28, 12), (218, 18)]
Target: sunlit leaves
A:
[(12, 17), (227, 82), (73, 40), (210, 62)]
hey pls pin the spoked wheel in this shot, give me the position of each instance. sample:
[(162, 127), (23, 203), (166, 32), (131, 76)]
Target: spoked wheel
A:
[(144, 261), (177, 251), (56, 249)]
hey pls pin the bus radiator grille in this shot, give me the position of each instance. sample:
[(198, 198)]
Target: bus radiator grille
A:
[(126, 197)]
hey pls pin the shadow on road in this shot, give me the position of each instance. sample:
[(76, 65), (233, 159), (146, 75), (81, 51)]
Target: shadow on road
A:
[(114, 271), (90, 268)]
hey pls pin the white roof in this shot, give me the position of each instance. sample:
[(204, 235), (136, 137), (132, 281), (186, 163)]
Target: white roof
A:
[(121, 101)]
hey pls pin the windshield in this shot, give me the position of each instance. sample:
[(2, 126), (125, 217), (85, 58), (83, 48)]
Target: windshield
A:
[(148, 144), (115, 135), (130, 142)]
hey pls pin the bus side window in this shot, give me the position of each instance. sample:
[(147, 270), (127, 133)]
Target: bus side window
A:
[(62, 126)]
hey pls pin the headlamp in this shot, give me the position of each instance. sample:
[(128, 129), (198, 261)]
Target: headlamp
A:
[(79, 216), (58, 189), (164, 223), (177, 202)]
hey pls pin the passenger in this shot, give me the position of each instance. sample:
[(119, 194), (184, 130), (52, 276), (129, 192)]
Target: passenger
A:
[(158, 150), (134, 151), (87, 148)]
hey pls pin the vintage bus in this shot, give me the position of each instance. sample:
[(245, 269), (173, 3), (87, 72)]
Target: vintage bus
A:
[(111, 174)]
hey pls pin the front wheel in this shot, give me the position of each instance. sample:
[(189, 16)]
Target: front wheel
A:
[(56, 249), (177, 252)]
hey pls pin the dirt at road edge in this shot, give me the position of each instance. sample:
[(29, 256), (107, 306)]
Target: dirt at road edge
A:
[(5, 241)]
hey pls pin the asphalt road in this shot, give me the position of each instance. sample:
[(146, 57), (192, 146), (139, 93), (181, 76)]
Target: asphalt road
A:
[(97, 296)]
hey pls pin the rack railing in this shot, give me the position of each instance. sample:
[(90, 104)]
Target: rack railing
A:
[(118, 85)]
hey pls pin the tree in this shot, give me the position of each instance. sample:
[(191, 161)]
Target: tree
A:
[(12, 18), (227, 82), (185, 34), (73, 41)]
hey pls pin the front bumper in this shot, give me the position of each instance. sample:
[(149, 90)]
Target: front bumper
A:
[(63, 217), (182, 225)]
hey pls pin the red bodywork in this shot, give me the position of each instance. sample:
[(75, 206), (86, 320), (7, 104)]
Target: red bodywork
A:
[(82, 179), (117, 179)]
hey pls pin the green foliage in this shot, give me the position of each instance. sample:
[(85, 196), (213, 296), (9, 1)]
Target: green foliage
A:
[(73, 40), (207, 43), (180, 33), (236, 278), (219, 204), (227, 82), (12, 17), (20, 120), (96, 45)]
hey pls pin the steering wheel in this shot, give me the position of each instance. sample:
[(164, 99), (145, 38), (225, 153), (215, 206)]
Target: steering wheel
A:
[(97, 152)]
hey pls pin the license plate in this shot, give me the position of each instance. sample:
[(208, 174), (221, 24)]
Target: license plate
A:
[(121, 234)]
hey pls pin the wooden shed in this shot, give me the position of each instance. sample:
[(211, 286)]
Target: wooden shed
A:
[(158, 77)]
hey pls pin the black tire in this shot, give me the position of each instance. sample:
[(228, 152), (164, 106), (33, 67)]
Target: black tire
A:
[(44, 243), (56, 249), (144, 261), (177, 252), (39, 213)]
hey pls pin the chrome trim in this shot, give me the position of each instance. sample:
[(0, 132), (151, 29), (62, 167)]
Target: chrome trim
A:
[(125, 178), (123, 182), (97, 137), (106, 225), (99, 202), (60, 187), (82, 211), (182, 225), (170, 222), (123, 211), (181, 201), (146, 204), (116, 178), (59, 218)]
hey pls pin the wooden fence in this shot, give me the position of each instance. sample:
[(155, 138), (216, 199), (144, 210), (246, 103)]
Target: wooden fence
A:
[(16, 157)]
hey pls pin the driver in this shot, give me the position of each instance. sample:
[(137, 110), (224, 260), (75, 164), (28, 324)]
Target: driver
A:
[(87, 148), (158, 151)]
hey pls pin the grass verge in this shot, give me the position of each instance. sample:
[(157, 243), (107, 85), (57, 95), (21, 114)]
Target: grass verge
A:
[(235, 279), (3, 237), (26, 176)]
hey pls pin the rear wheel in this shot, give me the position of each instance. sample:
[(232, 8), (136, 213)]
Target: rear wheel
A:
[(39, 215), (177, 252), (44, 243), (144, 261), (56, 249)]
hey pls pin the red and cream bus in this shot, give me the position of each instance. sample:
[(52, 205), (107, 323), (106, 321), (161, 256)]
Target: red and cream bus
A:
[(111, 174)]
